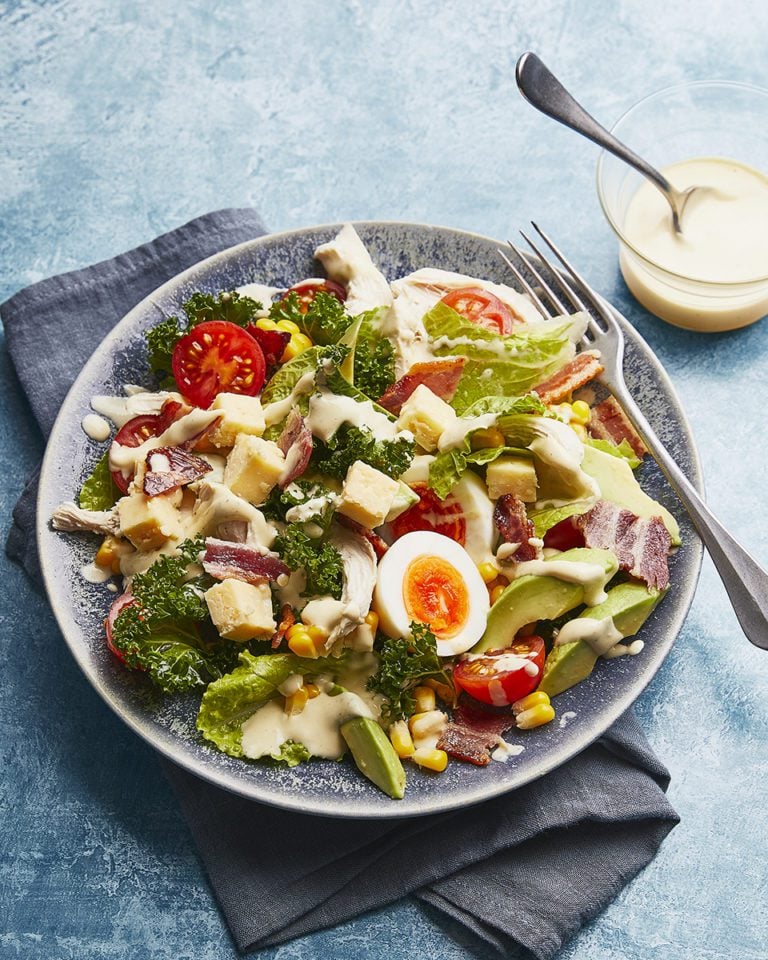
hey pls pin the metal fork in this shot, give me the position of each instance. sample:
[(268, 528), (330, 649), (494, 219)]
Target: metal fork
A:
[(745, 581)]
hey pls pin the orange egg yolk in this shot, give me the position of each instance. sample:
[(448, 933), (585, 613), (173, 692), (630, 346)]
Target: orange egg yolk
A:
[(434, 592)]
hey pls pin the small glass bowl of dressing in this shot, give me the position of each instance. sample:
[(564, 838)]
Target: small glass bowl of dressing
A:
[(713, 276)]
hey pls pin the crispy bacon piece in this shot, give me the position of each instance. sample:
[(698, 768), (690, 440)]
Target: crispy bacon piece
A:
[(474, 733), (441, 376), (577, 372), (379, 545), (183, 467), (514, 526), (640, 545), (609, 422), (272, 342), (287, 620), (296, 443), (225, 560)]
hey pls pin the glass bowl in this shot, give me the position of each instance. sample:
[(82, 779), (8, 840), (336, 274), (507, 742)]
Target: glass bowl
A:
[(704, 119)]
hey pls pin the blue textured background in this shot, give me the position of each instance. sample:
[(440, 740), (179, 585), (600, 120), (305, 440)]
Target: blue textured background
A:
[(122, 119)]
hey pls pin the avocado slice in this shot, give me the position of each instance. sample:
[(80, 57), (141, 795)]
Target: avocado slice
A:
[(630, 605), (618, 485), (374, 755), (532, 597)]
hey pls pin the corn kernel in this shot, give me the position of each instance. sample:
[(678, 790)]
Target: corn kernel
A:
[(497, 592), (487, 438), (535, 717), (312, 690), (425, 699), (317, 634), (401, 739), (302, 645), (436, 760), (426, 723), (302, 341), (443, 690), (580, 412), (295, 629), (296, 702), (532, 700), (266, 324), (288, 326), (580, 430), (372, 619), (488, 572)]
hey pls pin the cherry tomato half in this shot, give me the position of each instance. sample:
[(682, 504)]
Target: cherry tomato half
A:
[(217, 357), (309, 289), (481, 307), (136, 431), (123, 601), (432, 513), (564, 535), (503, 676)]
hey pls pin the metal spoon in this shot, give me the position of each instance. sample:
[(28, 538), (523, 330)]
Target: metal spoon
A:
[(541, 88)]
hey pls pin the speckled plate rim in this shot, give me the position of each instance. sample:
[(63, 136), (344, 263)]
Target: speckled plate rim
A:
[(289, 801)]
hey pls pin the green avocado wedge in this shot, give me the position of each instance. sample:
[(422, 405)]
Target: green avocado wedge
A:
[(534, 597), (629, 604), (618, 485), (374, 755)]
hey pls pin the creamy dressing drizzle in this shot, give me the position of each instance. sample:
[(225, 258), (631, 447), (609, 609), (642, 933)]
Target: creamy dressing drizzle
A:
[(625, 650), (125, 458), (327, 412), (504, 751), (455, 434), (95, 427), (137, 403), (601, 635), (93, 573), (591, 576), (311, 508), (277, 411)]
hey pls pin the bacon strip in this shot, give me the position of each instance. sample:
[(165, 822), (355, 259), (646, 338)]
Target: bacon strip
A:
[(640, 545), (183, 467), (576, 373), (287, 620), (514, 526), (296, 443), (224, 560), (379, 545), (473, 734), (609, 422), (441, 376), (272, 342)]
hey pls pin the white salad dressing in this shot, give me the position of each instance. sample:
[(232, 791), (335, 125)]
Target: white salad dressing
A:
[(262, 294), (312, 507), (505, 751), (625, 649), (601, 635), (96, 427), (566, 718), (125, 458), (724, 240), (327, 412), (136, 403), (93, 573), (277, 411), (591, 576)]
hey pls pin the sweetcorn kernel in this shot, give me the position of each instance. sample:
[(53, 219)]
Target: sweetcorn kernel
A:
[(317, 634), (401, 739), (288, 326), (372, 619), (296, 702), (532, 700), (535, 717), (424, 698), (266, 324), (436, 760), (302, 645), (488, 572), (312, 690), (295, 630), (580, 412), (497, 592)]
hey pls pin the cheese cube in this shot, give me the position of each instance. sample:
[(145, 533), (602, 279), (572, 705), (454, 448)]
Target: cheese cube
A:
[(149, 522), (367, 495), (239, 414), (253, 467), (426, 416), (515, 475), (241, 611)]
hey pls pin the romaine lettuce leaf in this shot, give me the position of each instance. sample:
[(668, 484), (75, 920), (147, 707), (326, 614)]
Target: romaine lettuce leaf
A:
[(497, 365), (229, 701), (544, 520), (288, 375), (622, 450), (99, 491)]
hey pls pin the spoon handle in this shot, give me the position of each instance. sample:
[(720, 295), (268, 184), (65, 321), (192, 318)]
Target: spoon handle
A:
[(543, 90)]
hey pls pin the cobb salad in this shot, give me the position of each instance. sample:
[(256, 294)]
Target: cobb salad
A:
[(370, 518)]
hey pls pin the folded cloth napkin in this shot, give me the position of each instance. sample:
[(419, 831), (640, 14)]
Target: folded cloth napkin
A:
[(524, 869)]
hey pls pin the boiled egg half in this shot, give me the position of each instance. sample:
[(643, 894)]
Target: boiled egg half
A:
[(429, 578)]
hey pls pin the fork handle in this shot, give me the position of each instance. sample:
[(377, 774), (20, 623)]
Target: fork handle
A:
[(745, 581)]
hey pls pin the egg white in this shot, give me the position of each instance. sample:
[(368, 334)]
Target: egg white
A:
[(388, 594)]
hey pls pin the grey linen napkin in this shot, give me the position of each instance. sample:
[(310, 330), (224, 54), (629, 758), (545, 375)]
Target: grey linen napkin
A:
[(526, 869)]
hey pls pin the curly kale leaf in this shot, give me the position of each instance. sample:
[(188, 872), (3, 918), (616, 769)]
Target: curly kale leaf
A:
[(320, 560), (374, 369), (351, 443), (403, 665), (324, 321), (229, 306), (161, 339), (164, 632)]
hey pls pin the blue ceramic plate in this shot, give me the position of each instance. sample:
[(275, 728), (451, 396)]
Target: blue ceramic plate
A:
[(325, 787)]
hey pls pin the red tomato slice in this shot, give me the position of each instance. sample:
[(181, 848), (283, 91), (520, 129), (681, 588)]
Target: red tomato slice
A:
[(123, 601), (432, 513), (217, 357), (564, 535), (481, 307), (139, 429), (497, 679), (309, 289)]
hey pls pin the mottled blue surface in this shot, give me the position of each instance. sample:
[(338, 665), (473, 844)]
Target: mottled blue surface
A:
[(121, 120)]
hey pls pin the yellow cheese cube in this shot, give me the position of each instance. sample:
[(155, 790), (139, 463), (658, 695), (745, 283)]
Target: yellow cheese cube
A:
[(515, 475), (253, 467), (149, 522), (239, 414), (367, 495), (241, 611), (426, 416)]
